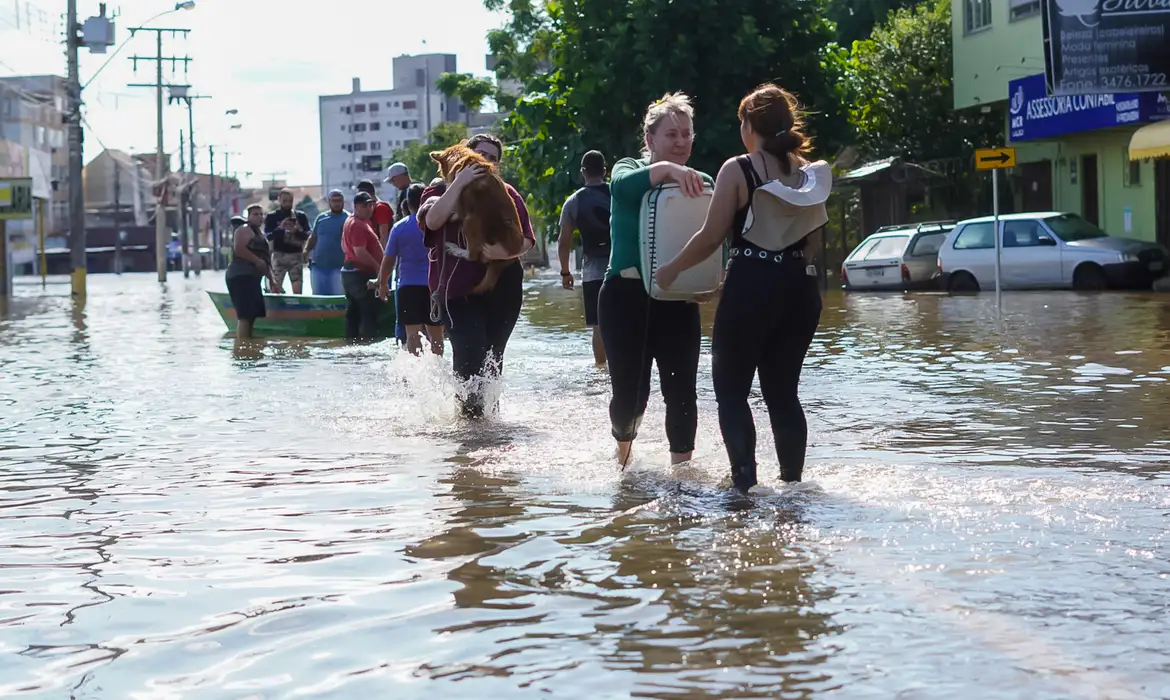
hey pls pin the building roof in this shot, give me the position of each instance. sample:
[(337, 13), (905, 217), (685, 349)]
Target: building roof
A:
[(875, 169)]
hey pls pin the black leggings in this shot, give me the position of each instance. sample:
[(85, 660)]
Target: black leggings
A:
[(479, 326), (765, 321), (361, 311), (636, 331)]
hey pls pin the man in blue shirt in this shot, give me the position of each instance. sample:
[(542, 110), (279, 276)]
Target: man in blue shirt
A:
[(406, 249), (324, 246)]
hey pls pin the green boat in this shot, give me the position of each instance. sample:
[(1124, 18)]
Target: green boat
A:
[(301, 316)]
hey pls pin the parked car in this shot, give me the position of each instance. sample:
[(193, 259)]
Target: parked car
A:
[(1047, 250), (896, 258)]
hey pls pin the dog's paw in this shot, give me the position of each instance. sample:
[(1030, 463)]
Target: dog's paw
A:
[(458, 252)]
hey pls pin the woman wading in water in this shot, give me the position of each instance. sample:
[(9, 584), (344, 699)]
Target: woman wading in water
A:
[(771, 305), (635, 329)]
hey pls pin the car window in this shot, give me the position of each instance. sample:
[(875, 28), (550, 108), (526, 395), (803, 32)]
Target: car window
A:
[(929, 243), (860, 251), (1071, 227), (975, 236), (888, 247), (1022, 233)]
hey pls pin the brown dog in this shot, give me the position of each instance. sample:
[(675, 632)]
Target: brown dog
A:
[(485, 209)]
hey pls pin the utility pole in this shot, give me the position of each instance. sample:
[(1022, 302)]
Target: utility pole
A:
[(183, 200), (77, 238), (117, 216), (214, 209), (161, 239), (191, 242)]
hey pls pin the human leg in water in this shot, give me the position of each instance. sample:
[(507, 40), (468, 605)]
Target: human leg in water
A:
[(622, 317), (675, 335), (479, 327), (780, 365), (735, 350)]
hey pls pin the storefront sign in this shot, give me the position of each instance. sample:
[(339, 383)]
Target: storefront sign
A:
[(1035, 115), (16, 198), (1101, 46)]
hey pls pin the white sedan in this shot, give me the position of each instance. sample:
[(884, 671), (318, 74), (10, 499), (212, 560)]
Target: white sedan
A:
[(1046, 250)]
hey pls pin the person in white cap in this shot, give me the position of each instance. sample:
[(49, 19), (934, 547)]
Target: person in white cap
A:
[(399, 176)]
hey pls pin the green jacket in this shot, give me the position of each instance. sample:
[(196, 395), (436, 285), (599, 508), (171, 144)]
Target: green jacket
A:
[(628, 184)]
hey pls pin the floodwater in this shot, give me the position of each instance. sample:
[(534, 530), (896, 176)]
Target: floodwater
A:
[(985, 512)]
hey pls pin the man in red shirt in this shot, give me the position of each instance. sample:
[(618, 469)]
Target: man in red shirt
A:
[(363, 258), (383, 216)]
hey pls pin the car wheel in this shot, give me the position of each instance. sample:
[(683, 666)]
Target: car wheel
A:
[(1089, 278), (963, 282)]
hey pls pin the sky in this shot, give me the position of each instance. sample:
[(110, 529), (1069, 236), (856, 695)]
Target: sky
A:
[(269, 59)]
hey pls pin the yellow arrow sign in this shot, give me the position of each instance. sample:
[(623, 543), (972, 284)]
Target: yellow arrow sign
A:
[(995, 158)]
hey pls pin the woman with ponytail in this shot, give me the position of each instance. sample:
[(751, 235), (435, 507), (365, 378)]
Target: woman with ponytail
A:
[(770, 201)]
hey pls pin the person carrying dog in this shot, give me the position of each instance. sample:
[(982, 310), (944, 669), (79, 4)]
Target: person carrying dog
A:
[(479, 325)]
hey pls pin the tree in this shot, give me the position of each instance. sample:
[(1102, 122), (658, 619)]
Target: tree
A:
[(901, 93), (855, 19), (417, 156), (899, 85), (469, 90), (589, 68)]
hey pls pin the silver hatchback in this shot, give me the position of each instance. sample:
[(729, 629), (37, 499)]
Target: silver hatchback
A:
[(896, 258)]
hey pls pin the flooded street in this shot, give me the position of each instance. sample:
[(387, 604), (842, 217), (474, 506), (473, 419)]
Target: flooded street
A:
[(985, 512)]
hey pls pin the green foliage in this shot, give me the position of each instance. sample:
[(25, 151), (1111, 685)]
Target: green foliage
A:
[(855, 19), (417, 156), (470, 90), (589, 69), (901, 96), (310, 208)]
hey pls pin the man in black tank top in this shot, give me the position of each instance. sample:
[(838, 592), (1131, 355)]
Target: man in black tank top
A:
[(587, 211)]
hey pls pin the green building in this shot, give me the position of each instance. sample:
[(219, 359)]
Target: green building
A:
[(1072, 152)]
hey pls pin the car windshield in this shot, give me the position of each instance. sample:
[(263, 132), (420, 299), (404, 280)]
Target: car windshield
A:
[(1071, 227), (888, 247)]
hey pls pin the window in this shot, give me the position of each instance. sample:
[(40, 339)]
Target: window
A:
[(359, 146), (420, 77), (375, 145), (398, 123), (375, 126), (888, 247), (1071, 227), (395, 103), (410, 104), (977, 14), (975, 237), (343, 127), (373, 106), (345, 110), (929, 243), (1021, 234), (359, 127), (1132, 176), (1022, 9), (359, 108), (398, 142)]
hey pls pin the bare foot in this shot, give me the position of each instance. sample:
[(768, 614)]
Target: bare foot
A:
[(625, 452)]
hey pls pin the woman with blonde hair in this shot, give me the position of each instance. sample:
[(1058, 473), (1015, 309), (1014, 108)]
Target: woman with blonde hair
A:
[(771, 201), (636, 329)]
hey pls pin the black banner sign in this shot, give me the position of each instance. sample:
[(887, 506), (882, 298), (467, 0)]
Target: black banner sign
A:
[(1104, 46)]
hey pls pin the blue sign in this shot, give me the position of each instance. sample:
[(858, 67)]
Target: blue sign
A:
[(1035, 115)]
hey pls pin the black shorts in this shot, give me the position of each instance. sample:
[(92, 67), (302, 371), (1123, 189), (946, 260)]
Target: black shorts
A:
[(247, 297), (414, 305), (592, 290)]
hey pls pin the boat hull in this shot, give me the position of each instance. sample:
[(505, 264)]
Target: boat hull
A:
[(301, 316)]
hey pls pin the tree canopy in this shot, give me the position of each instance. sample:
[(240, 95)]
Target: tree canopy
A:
[(469, 90), (589, 69)]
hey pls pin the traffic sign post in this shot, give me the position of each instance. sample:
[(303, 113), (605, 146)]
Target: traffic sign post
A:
[(995, 159)]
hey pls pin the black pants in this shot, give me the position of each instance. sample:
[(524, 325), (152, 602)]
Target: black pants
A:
[(765, 322), (479, 326), (361, 312), (636, 331)]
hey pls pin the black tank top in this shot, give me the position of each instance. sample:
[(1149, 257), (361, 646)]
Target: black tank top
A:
[(753, 183)]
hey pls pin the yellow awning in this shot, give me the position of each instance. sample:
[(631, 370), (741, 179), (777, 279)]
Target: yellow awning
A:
[(1150, 141)]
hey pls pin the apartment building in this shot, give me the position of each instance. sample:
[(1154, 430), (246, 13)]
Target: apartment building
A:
[(1072, 151), (360, 130)]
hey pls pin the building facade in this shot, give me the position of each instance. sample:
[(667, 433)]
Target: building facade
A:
[(118, 191), (360, 130), (1072, 151)]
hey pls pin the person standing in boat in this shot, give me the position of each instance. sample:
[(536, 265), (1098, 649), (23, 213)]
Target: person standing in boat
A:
[(363, 259), (251, 257), (407, 252), (288, 243), (479, 325), (587, 211), (324, 247), (636, 329), (771, 201)]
